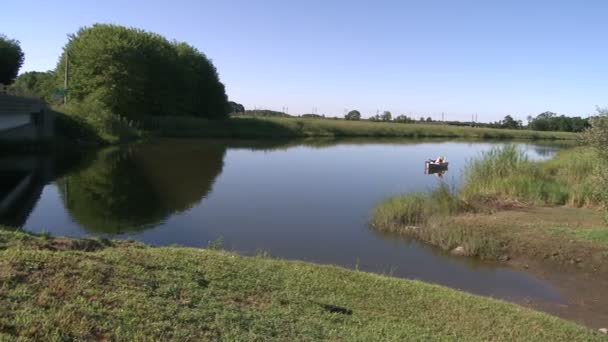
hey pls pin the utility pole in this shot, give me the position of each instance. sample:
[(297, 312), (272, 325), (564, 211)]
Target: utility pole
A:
[(65, 79), (442, 117)]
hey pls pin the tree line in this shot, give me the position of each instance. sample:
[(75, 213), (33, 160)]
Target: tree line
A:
[(547, 121)]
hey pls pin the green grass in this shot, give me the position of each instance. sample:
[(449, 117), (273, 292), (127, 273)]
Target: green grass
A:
[(56, 289), (415, 209), (298, 127), (596, 235)]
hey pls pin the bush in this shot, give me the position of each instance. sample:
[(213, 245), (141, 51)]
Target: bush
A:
[(132, 73), (11, 59), (39, 84)]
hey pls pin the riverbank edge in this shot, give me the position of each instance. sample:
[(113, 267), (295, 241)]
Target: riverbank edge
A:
[(255, 128), (78, 131), (103, 129), (58, 287)]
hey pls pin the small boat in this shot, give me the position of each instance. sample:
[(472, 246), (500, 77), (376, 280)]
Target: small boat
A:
[(434, 165)]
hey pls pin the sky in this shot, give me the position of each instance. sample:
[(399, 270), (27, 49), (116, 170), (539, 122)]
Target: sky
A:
[(418, 58)]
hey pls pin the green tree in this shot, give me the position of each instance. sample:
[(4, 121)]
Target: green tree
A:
[(353, 115), (597, 137), (386, 116), (404, 119), (236, 107), (40, 84), (549, 121), (509, 123), (11, 59), (131, 72)]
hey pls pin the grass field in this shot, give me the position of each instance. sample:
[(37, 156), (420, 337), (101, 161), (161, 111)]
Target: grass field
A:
[(57, 289), (100, 127), (297, 127)]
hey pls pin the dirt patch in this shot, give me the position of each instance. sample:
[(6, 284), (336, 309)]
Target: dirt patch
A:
[(583, 291), (548, 234), (249, 301), (84, 245)]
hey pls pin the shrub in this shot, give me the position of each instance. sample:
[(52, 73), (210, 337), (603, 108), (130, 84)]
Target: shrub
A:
[(131, 73)]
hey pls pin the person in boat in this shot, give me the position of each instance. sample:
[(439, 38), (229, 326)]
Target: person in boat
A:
[(439, 160)]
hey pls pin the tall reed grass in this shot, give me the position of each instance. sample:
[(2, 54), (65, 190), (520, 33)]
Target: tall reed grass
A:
[(506, 174), (416, 209)]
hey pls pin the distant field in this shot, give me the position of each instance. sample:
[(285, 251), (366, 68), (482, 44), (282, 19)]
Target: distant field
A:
[(298, 127)]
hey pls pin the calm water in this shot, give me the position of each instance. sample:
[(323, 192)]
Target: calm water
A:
[(306, 201)]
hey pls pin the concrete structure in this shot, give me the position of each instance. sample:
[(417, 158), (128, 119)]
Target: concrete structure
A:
[(22, 179), (24, 119)]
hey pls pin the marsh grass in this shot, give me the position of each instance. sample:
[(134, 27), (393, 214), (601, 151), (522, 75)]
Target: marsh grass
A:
[(502, 178), (415, 209), (505, 174)]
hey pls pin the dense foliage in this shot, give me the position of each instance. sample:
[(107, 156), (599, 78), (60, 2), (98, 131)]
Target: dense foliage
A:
[(11, 59), (39, 84), (131, 72), (312, 116), (353, 115), (508, 123), (404, 119), (236, 107), (597, 137), (265, 113), (549, 121)]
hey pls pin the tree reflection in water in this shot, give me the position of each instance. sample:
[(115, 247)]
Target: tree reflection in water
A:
[(130, 189)]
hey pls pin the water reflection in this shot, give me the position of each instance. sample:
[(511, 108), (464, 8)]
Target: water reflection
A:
[(133, 188), (22, 178), (306, 200)]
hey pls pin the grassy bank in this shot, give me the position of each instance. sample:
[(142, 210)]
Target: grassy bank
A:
[(86, 124), (293, 127), (510, 206), (62, 289)]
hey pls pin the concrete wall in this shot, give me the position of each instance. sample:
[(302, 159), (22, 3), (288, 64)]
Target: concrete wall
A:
[(24, 118)]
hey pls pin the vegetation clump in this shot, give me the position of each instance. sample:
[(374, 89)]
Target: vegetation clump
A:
[(11, 59), (503, 179), (132, 73)]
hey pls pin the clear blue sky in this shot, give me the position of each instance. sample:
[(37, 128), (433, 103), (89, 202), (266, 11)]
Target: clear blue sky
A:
[(425, 57)]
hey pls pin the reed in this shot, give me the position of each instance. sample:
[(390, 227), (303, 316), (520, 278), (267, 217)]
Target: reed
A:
[(505, 174)]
